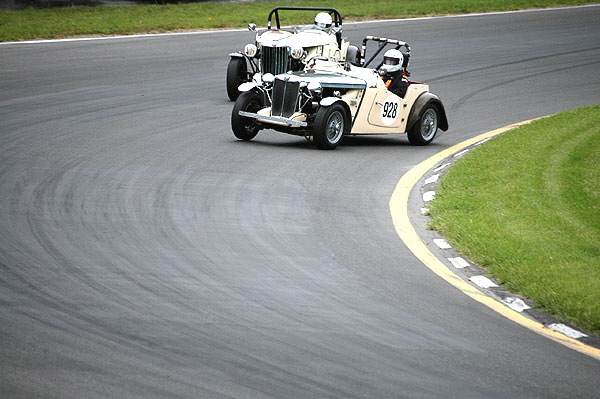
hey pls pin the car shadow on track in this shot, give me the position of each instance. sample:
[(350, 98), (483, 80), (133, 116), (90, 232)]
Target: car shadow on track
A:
[(348, 141)]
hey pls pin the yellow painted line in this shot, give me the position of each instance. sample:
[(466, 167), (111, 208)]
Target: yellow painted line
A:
[(399, 209)]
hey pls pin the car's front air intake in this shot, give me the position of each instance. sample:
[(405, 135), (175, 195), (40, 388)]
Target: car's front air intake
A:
[(285, 97)]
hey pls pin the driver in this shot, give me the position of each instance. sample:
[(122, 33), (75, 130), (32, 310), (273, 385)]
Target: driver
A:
[(323, 21), (392, 73)]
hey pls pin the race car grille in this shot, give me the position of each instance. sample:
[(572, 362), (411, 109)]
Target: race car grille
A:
[(285, 97), (274, 60)]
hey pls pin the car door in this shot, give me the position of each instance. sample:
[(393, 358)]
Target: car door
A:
[(388, 111)]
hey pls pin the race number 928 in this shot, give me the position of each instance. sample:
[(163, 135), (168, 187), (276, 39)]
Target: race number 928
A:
[(390, 110)]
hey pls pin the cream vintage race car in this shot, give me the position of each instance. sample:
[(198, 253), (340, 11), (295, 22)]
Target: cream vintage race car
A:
[(329, 100), (278, 50)]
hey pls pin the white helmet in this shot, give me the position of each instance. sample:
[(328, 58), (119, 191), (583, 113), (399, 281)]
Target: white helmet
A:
[(323, 20), (392, 61)]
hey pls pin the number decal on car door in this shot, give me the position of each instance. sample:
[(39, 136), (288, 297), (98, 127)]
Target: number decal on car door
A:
[(389, 110)]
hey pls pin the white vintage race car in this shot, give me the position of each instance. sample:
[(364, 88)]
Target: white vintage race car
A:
[(278, 50), (329, 100)]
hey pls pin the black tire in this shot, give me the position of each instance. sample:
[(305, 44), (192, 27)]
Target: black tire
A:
[(424, 130), (246, 128), (329, 127), (237, 73)]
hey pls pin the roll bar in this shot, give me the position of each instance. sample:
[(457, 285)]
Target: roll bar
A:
[(335, 14), (383, 42)]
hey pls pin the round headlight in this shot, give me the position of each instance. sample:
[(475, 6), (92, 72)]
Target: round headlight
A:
[(297, 53), (268, 78), (314, 86), (250, 50)]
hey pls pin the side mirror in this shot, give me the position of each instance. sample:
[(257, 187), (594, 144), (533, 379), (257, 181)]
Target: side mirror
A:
[(252, 27)]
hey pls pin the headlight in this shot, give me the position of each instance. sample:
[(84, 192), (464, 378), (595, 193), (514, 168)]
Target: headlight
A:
[(268, 78), (297, 53), (250, 50), (314, 86)]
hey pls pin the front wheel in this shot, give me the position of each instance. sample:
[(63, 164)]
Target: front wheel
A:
[(425, 129), (329, 127), (245, 128), (237, 73)]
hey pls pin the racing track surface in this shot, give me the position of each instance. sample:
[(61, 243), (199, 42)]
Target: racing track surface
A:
[(145, 253)]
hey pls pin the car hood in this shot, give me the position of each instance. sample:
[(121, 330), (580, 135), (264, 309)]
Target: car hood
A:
[(325, 80)]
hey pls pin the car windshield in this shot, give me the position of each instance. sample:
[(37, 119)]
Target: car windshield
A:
[(313, 27)]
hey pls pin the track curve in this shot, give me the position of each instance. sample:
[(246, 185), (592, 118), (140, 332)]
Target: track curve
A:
[(146, 253)]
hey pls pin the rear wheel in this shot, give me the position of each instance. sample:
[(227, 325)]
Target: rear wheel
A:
[(237, 73), (425, 129), (329, 127), (245, 128)]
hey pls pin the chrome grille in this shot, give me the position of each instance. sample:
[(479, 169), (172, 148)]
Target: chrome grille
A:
[(274, 60), (285, 97)]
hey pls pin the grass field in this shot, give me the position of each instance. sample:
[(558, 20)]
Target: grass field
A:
[(121, 20), (526, 206)]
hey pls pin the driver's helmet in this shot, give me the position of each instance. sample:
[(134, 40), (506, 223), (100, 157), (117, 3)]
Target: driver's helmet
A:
[(392, 61), (323, 21)]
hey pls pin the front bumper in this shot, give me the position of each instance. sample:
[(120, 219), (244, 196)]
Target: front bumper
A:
[(279, 120)]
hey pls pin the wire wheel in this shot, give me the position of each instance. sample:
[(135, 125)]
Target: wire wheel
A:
[(329, 128), (423, 132), (429, 123), (335, 127)]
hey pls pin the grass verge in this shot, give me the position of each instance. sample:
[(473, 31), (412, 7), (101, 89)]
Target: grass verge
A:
[(526, 206), (121, 20)]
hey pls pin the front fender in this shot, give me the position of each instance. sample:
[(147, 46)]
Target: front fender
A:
[(422, 101), (327, 101), (247, 86), (252, 61), (253, 86)]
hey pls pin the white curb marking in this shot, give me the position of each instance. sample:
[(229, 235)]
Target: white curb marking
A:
[(459, 262), (428, 196), (443, 244), (432, 179), (566, 330), (482, 281), (483, 141), (516, 304), (460, 154), (441, 167)]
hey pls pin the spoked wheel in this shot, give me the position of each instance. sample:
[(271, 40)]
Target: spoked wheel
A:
[(424, 131), (237, 73), (245, 128), (329, 128)]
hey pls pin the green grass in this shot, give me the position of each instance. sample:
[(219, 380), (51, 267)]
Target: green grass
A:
[(526, 206), (120, 20)]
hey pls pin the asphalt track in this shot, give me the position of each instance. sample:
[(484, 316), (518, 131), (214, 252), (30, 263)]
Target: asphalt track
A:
[(145, 253)]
